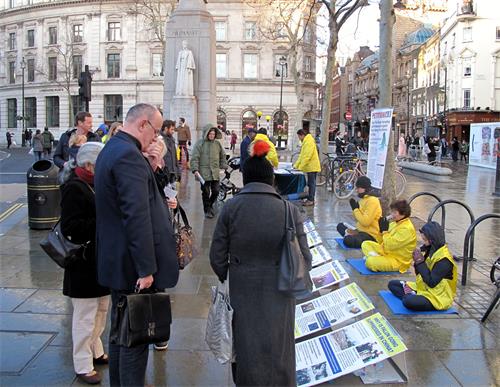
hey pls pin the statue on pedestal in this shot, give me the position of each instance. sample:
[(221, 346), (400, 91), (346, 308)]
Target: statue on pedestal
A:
[(185, 67)]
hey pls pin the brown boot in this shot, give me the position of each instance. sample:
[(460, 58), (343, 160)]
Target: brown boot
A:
[(93, 377)]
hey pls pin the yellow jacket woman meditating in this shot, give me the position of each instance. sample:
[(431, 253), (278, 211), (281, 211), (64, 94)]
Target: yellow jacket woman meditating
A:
[(399, 239)]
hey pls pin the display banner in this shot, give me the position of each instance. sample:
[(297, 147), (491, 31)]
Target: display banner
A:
[(380, 130), (482, 150)]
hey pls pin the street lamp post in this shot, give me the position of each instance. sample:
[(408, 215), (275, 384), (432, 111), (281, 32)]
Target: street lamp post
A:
[(23, 66), (408, 77), (445, 100), (282, 63)]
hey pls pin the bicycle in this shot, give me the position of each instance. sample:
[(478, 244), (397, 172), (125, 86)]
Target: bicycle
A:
[(345, 184), (332, 166)]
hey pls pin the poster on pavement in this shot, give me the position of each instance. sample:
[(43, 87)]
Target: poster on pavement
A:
[(380, 130), (345, 350), (320, 255), (329, 274), (330, 310), (482, 149), (313, 238), (309, 226)]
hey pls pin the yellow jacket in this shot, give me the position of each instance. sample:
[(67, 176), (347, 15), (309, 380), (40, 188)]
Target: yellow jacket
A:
[(399, 242), (272, 156), (308, 160), (441, 296), (367, 216)]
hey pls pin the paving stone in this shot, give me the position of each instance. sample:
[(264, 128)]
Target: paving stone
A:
[(11, 298), (46, 301)]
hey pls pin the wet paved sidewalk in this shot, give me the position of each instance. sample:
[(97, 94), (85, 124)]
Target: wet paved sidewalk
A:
[(444, 350)]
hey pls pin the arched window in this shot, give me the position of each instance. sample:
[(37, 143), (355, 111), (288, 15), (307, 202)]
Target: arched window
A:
[(280, 129), (221, 120), (248, 120)]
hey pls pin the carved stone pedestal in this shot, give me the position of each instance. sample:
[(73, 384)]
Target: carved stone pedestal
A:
[(184, 106)]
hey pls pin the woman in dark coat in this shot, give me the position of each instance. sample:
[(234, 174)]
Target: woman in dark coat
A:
[(246, 246), (90, 300)]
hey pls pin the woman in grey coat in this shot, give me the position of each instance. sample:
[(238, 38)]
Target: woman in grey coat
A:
[(246, 246)]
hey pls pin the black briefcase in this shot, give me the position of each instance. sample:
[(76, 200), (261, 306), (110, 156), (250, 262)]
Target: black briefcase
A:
[(143, 318)]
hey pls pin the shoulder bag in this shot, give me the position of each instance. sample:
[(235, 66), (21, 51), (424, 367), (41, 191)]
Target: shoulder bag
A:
[(293, 276), (142, 318), (184, 237)]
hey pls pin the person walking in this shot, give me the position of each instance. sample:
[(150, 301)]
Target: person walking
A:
[(430, 150), (339, 144), (37, 145), (136, 240), (444, 147), (183, 137), (244, 146), (83, 127), (9, 139), (464, 151), (272, 155), (402, 146), (308, 162), (89, 299), (234, 138), (47, 142), (171, 168), (113, 129), (246, 247), (207, 160), (455, 147)]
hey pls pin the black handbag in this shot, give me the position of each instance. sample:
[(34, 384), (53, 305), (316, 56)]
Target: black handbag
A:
[(142, 318), (293, 276), (60, 249)]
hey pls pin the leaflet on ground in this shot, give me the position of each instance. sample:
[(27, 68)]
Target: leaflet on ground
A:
[(309, 226), (313, 238), (346, 350), (331, 310), (328, 274), (320, 255)]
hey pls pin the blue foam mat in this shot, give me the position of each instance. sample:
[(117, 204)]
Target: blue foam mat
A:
[(397, 307), (340, 242), (359, 265)]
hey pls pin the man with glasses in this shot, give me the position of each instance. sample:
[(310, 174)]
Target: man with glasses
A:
[(135, 238)]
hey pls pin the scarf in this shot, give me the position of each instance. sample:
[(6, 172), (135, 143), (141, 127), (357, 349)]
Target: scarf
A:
[(86, 176)]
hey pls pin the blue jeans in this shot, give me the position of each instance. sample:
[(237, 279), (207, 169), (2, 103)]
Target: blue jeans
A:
[(127, 366), (311, 183)]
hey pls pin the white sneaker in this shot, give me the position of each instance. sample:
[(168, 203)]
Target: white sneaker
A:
[(161, 346)]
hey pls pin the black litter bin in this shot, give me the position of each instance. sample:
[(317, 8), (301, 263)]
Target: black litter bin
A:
[(44, 197)]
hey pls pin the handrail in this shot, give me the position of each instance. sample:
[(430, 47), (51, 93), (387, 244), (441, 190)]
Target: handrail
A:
[(468, 235), (425, 193)]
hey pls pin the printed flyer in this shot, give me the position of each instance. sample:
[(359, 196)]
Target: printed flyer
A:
[(329, 274), (320, 255), (330, 310), (313, 238), (380, 130), (346, 350), (309, 226)]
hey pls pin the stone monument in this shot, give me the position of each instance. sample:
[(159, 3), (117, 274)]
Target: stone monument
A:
[(190, 83)]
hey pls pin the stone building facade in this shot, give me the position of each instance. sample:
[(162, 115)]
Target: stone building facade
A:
[(57, 38)]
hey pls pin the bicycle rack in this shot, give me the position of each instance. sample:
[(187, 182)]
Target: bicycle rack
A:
[(469, 238), (425, 193)]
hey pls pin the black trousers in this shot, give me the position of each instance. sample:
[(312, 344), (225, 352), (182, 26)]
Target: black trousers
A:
[(209, 193), (410, 301), (356, 240)]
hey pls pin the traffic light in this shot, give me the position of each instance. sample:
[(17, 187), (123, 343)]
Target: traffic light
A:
[(85, 83)]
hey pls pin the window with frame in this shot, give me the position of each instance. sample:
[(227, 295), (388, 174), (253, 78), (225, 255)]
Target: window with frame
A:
[(114, 31), (30, 67), (467, 98), (52, 35), (467, 34), (278, 67), (467, 69), (12, 3), (280, 31), (77, 66), (30, 111), (12, 41), (77, 33), (250, 66), (250, 30), (12, 113), (498, 33), (30, 38), (52, 76), (113, 62), (308, 34), (308, 64), (113, 107), (52, 112), (453, 40), (77, 104), (221, 65), (12, 72), (156, 65), (220, 31)]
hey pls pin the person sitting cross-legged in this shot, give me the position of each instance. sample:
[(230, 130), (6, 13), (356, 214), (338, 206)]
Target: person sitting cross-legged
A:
[(399, 239), (436, 283), (366, 212)]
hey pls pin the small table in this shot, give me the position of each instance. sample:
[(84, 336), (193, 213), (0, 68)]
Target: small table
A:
[(289, 181)]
